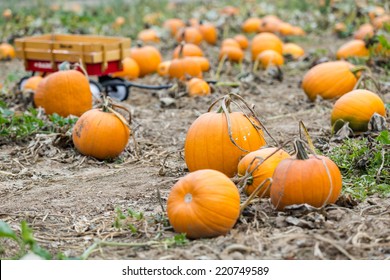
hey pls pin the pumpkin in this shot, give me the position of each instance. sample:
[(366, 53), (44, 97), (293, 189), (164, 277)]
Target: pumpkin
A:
[(147, 57), (7, 13), (251, 25), (311, 179), (101, 134), (203, 62), (376, 12), (356, 108), (230, 42), (64, 92), (193, 22), (270, 57), (286, 29), (329, 80), (173, 25), (266, 41), (7, 51), (181, 68), (354, 48), (188, 50), (242, 41), (148, 36), (261, 165), (119, 21), (270, 23), (298, 31), (32, 83), (198, 87), (189, 35), (203, 204), (152, 18), (234, 54), (209, 146), (379, 22), (293, 50), (365, 31), (230, 11), (130, 69), (340, 27), (209, 33), (163, 68)]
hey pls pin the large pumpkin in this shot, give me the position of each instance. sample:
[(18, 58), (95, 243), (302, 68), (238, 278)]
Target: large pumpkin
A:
[(266, 41), (204, 203), (261, 165), (329, 80), (65, 93), (354, 48), (311, 179), (100, 134), (148, 58), (209, 146), (357, 108)]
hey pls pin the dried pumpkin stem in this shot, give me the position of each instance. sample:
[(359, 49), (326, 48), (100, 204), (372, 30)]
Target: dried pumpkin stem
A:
[(255, 193), (308, 138), (300, 150)]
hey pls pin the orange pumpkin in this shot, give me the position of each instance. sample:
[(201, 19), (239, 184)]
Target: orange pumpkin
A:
[(188, 50), (379, 22), (354, 48), (356, 108), (147, 57), (202, 204), (163, 68), (293, 50), (130, 69), (298, 31), (270, 57), (182, 68), (242, 41), (208, 145), (7, 51), (148, 36), (376, 12), (119, 21), (340, 27), (65, 93), (234, 54), (266, 41), (32, 83), (100, 134), (286, 29), (189, 35), (311, 179), (261, 165), (174, 25), (329, 80), (230, 11), (230, 42), (365, 31), (209, 33), (7, 13), (203, 62), (198, 87), (251, 25), (270, 23)]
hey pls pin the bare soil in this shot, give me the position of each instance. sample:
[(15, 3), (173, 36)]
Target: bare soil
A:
[(69, 200)]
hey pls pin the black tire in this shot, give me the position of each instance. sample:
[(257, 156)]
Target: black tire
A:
[(119, 91), (96, 89), (22, 81)]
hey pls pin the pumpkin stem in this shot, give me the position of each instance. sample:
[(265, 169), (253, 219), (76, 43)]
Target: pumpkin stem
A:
[(300, 150), (355, 70), (182, 43), (308, 138)]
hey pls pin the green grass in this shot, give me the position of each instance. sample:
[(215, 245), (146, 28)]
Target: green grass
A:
[(365, 165)]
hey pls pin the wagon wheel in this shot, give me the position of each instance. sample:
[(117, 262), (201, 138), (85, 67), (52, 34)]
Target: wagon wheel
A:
[(22, 82), (96, 89), (116, 88)]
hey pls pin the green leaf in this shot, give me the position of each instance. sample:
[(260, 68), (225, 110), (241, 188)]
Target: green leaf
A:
[(384, 137), (41, 252), (27, 235), (6, 231)]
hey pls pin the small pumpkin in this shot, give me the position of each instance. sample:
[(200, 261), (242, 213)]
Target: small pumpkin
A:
[(261, 165), (230, 11), (174, 25), (64, 92), (7, 13), (198, 87), (354, 48), (298, 31), (203, 204), (340, 27), (375, 12), (234, 54), (270, 57), (209, 33), (380, 21), (286, 29), (130, 69), (270, 23), (147, 57), (163, 68), (242, 41), (365, 31), (188, 50), (329, 80), (203, 62), (7, 51), (230, 42), (32, 83), (148, 36), (181, 68), (119, 21), (356, 108), (189, 35), (266, 41), (251, 25), (293, 50), (311, 179), (214, 143), (100, 133)]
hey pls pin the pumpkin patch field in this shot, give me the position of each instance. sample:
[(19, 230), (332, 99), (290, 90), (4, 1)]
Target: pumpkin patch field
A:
[(195, 129)]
